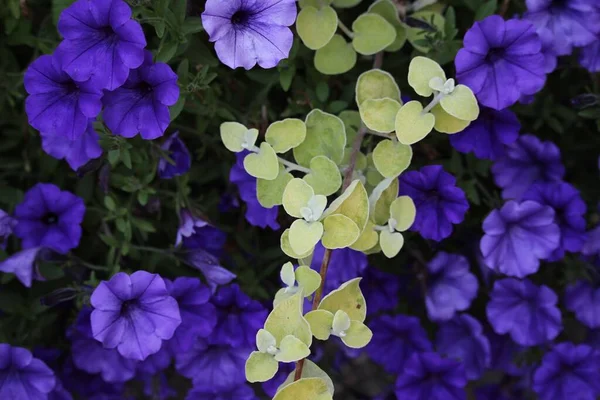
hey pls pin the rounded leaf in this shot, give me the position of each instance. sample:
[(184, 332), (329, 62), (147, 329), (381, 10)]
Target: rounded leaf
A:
[(310, 370), (337, 57), (305, 235), (325, 136), (284, 243), (446, 123), (420, 71), (352, 122), (339, 232), (376, 84), (416, 35), (260, 367), (391, 158), (314, 3), (305, 389), (345, 4), (380, 200), (236, 137), (388, 10), (411, 125), (287, 275), (367, 239), (391, 243), (461, 103), (357, 336), (403, 211), (285, 135), (379, 115), (308, 279), (270, 193), (296, 195), (316, 27), (291, 349), (353, 203), (348, 298), (325, 177), (341, 322), (263, 164), (320, 322), (287, 319), (372, 34)]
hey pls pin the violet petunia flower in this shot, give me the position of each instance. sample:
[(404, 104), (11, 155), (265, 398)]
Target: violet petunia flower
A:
[(134, 313), (501, 61), (526, 311), (569, 214), (568, 372), (395, 339), (49, 217), (518, 236), (23, 264), (239, 392), (256, 214), (591, 247), (451, 287), (7, 223), (527, 161), (589, 56), (155, 363), (380, 288), (77, 152), (439, 202), (548, 50), (504, 353), (141, 105), (344, 265), (573, 23), (179, 155), (198, 315), (462, 339), (584, 300), (427, 376), (488, 135), (101, 42), (204, 261), (246, 33), (56, 104), (23, 377), (90, 356), (187, 225)]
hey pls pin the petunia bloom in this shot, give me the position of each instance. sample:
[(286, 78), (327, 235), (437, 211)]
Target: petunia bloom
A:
[(568, 372), (573, 23), (180, 160), (584, 300), (527, 161), (462, 339), (187, 225), (427, 376), (591, 248), (501, 61), (49, 217), (526, 311), (101, 42), (380, 288), (77, 152), (22, 264), (569, 214), (134, 313), (488, 135), (56, 104), (239, 392), (7, 223), (589, 56), (451, 286), (23, 377), (440, 203), (344, 264), (246, 33), (207, 263), (141, 104)]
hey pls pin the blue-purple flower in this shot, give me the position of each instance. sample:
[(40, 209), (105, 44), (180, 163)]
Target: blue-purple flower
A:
[(488, 135), (180, 160), (23, 377), (462, 339), (380, 288), (49, 217), (7, 223), (518, 236), (207, 263), (501, 61), (589, 57), (141, 104), (101, 42), (451, 287), (527, 312), (527, 161), (134, 313), (76, 152), (155, 363), (427, 376), (187, 225), (504, 353), (344, 264), (584, 300), (239, 392), (440, 203), (568, 372), (22, 264), (247, 33)]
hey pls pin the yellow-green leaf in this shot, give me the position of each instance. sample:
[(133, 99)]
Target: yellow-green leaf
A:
[(372, 34), (337, 57), (415, 35), (403, 211), (446, 123), (308, 279), (296, 195), (305, 389), (236, 137), (348, 298), (291, 349), (345, 4), (325, 177), (387, 9), (310, 370), (339, 232), (325, 136), (411, 125), (391, 158), (285, 135), (320, 322), (391, 243), (315, 26), (260, 367), (265, 340), (380, 200), (420, 71), (314, 3), (341, 323), (379, 115), (305, 235), (287, 319), (353, 203), (367, 239), (376, 84), (351, 119), (263, 164), (270, 193), (284, 242), (361, 159), (357, 336), (461, 103)]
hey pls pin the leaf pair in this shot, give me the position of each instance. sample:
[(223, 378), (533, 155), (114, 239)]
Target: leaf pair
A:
[(308, 282)]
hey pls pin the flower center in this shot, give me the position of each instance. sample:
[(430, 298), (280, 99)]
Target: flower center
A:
[(145, 87), (240, 17), (127, 307), (50, 218), (495, 54)]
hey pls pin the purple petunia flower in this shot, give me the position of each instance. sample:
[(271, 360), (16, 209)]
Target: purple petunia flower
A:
[(89, 355), (344, 265), (518, 236), (238, 317), (90, 387), (450, 286), (591, 248), (76, 152), (526, 162), (154, 363), (49, 217), (187, 225), (178, 153), (56, 104), (256, 214), (501, 61), (589, 58), (395, 339), (504, 353), (7, 223), (462, 339), (573, 23), (101, 42), (568, 372), (134, 313), (526, 311), (240, 392), (198, 315), (23, 264), (217, 366), (427, 376), (270, 387), (548, 50), (488, 135), (569, 210), (584, 300), (440, 203), (209, 265), (247, 33), (380, 289), (23, 377)]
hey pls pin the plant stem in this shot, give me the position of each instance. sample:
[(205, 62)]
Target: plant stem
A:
[(504, 7), (345, 29), (383, 135), (294, 167), (436, 99)]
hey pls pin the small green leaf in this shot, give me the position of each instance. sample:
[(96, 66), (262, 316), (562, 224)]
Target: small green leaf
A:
[(339, 232), (376, 84), (337, 57), (287, 319), (417, 35), (308, 279), (446, 123), (367, 239), (306, 389), (296, 195), (381, 199), (236, 137), (372, 34), (325, 177), (486, 9), (288, 277), (391, 158), (305, 235), (387, 9), (421, 71), (285, 135), (310, 370), (358, 335), (403, 211), (320, 322), (352, 121), (348, 298), (325, 136), (263, 164), (411, 124), (270, 193), (353, 203), (284, 242), (260, 367), (292, 349), (391, 243), (314, 3), (379, 115), (461, 103), (316, 27), (345, 4)]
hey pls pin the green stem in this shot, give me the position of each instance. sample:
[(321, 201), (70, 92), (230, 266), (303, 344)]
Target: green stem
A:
[(436, 99), (345, 29)]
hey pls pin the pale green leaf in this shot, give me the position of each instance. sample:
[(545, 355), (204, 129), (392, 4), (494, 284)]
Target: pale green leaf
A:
[(265, 340), (305, 389), (291, 349), (316, 27), (263, 164), (284, 242), (308, 279), (325, 136), (367, 239), (348, 298), (345, 4), (420, 72), (372, 34), (353, 203), (376, 84), (260, 367), (236, 137), (337, 57), (357, 336), (320, 322), (446, 123), (285, 135), (287, 319), (391, 243), (287, 274), (379, 115), (380, 200), (411, 124), (341, 323), (270, 193), (314, 3), (339, 232), (351, 119), (305, 235), (461, 104), (391, 158), (310, 370), (325, 177), (416, 35), (388, 10), (403, 211), (296, 195)]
